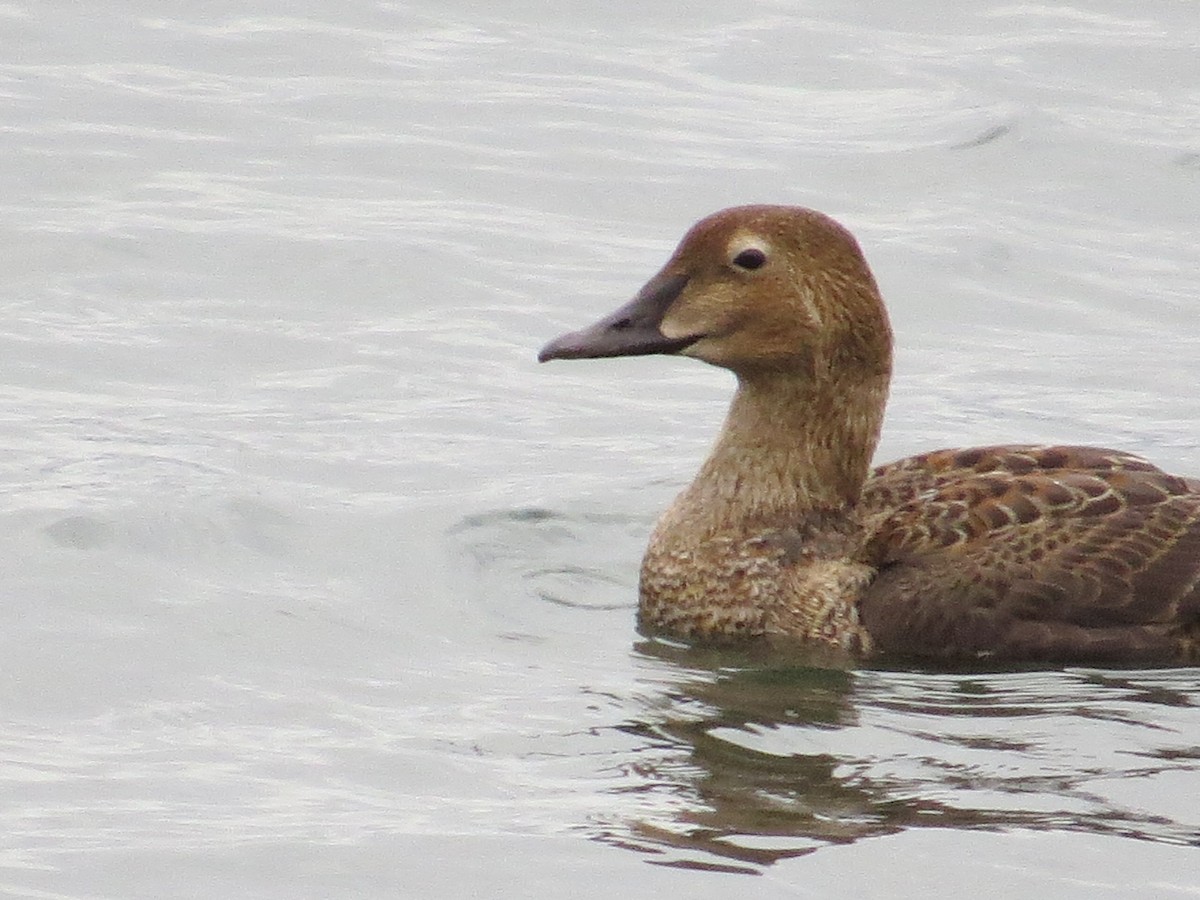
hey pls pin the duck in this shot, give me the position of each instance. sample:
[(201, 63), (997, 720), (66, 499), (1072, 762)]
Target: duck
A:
[(787, 537)]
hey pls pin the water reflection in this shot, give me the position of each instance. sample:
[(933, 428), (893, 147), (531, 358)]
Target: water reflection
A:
[(753, 764)]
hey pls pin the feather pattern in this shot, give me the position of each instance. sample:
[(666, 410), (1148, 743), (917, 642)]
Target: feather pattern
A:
[(1033, 553)]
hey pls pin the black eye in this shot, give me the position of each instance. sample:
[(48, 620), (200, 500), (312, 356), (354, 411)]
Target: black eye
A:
[(751, 259)]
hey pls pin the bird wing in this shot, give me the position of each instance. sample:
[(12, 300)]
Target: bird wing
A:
[(1033, 553)]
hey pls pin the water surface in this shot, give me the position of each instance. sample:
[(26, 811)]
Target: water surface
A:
[(316, 585)]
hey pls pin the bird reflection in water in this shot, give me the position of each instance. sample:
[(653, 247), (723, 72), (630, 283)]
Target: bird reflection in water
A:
[(744, 764)]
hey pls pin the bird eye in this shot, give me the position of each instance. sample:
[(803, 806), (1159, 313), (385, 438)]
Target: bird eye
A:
[(750, 259)]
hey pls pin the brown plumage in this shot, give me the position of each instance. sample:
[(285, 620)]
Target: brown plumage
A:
[(1012, 553)]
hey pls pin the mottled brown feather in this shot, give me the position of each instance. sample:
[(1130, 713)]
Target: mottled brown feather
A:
[(1032, 553)]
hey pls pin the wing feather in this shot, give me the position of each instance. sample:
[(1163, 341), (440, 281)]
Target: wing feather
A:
[(1033, 553)]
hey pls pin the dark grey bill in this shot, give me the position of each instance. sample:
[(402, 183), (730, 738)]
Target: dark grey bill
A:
[(633, 330)]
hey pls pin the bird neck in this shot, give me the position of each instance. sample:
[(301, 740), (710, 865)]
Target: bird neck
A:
[(790, 446)]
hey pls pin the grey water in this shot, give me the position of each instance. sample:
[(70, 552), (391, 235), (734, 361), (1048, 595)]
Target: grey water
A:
[(314, 584)]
